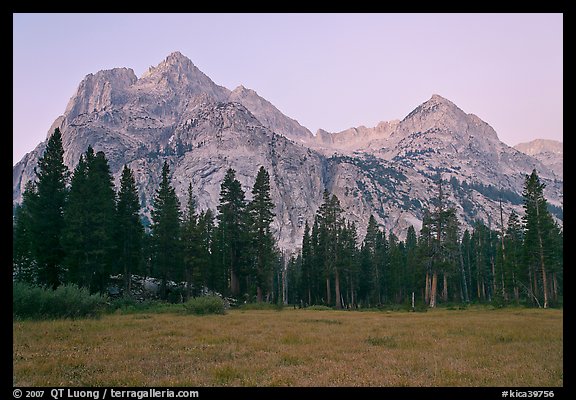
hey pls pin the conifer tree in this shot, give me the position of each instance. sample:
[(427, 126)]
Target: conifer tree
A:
[(47, 212), (513, 262), (538, 237), (191, 244), (129, 227), (23, 263), (165, 228), (232, 230), (413, 272), (371, 281), (75, 235), (307, 264), (101, 209), (261, 217), (205, 260)]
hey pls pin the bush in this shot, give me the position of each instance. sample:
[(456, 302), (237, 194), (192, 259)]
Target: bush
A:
[(205, 305), (67, 301)]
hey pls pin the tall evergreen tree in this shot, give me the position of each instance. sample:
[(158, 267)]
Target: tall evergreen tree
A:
[(205, 259), (318, 260), (191, 244), (232, 229), (539, 228), (413, 271), (101, 210), (129, 227), (465, 251), (261, 217), (76, 232), (47, 212), (396, 269), (349, 262), (23, 263), (165, 229), (382, 266), (441, 230), (307, 265), (513, 261), (330, 222), (371, 280)]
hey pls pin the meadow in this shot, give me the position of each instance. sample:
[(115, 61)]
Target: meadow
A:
[(509, 347)]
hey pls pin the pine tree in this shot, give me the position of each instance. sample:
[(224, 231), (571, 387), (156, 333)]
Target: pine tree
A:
[(371, 281), (307, 265), (441, 229), (166, 254), (426, 252), (382, 266), (330, 222), (261, 217), (47, 212), (102, 211), (513, 262), (129, 227), (205, 260), (232, 229), (318, 260), (465, 251), (539, 228), (75, 234), (451, 256), (191, 244), (23, 263), (349, 262), (413, 270), (396, 267)]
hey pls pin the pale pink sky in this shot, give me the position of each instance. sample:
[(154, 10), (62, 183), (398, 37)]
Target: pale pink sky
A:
[(329, 71)]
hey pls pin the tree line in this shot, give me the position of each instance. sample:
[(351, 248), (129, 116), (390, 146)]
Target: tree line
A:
[(520, 262), (76, 228)]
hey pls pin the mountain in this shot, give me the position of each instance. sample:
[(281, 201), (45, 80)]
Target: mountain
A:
[(269, 115), (548, 152), (175, 112), (396, 165)]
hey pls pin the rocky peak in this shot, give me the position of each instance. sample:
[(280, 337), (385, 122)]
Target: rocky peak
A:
[(98, 91), (548, 152), (174, 62), (437, 107), (240, 90), (539, 146), (439, 114), (269, 115), (178, 75)]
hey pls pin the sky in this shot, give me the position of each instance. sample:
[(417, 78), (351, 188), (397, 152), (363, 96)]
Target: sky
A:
[(328, 71)]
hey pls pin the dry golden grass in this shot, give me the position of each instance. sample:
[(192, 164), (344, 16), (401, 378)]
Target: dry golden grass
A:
[(509, 347)]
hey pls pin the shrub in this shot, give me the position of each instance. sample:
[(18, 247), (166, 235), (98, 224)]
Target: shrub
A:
[(67, 301), (205, 305)]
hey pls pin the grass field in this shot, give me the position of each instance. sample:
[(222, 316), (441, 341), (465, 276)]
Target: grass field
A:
[(474, 347)]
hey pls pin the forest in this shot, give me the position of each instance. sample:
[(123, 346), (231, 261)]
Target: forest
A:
[(75, 227)]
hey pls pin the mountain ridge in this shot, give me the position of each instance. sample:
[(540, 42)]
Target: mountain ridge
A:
[(175, 112)]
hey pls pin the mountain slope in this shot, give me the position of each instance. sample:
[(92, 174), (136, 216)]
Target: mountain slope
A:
[(548, 152)]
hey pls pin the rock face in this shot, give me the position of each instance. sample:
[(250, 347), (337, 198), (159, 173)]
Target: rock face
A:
[(269, 115), (548, 152), (174, 112)]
